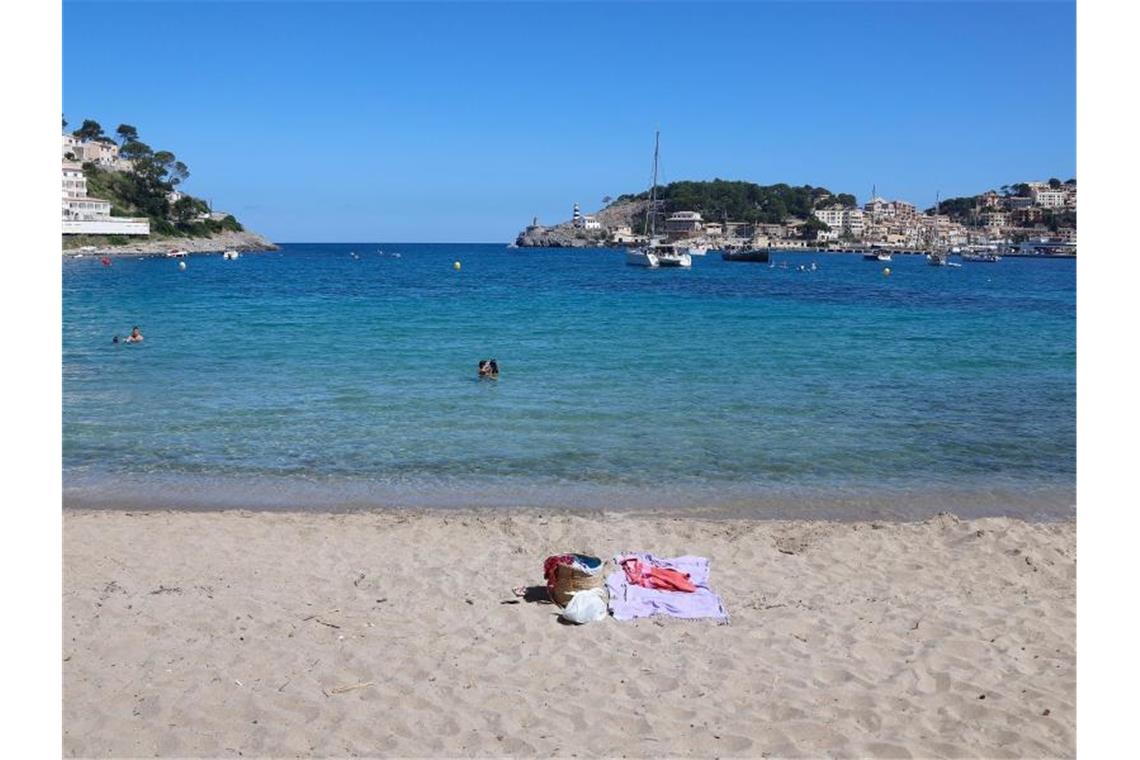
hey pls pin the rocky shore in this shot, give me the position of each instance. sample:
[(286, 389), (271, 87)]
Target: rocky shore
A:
[(566, 235), (224, 241)]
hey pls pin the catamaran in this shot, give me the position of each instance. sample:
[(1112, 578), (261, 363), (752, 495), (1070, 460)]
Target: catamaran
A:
[(657, 254)]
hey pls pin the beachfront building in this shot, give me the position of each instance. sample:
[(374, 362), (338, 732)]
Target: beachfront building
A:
[(74, 181), (683, 223), (623, 235), (842, 221), (84, 215)]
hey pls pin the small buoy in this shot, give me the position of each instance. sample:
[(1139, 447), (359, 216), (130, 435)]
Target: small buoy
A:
[(457, 266), (886, 271), (182, 265)]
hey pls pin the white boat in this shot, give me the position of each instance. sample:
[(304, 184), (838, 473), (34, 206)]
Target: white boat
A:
[(697, 250), (176, 254), (877, 255), (657, 254), (230, 255), (983, 258)]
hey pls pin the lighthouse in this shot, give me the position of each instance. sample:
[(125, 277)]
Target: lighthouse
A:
[(577, 218)]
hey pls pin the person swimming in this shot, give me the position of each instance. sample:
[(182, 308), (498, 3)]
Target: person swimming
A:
[(488, 368), (135, 336)]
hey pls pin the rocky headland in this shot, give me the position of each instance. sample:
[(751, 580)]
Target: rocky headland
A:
[(566, 235)]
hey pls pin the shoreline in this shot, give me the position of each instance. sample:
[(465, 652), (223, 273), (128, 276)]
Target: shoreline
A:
[(847, 503), (397, 634), (237, 241)]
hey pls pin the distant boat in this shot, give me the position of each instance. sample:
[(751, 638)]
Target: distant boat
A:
[(656, 254), (176, 254), (938, 258), (230, 255), (760, 255), (879, 254), (981, 257), (698, 250)]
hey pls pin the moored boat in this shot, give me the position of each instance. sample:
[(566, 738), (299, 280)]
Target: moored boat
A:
[(760, 255), (657, 254)]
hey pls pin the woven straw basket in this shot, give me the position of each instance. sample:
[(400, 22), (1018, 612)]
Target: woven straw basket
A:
[(568, 580)]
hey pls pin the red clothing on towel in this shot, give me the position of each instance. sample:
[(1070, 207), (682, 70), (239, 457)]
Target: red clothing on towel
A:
[(650, 576)]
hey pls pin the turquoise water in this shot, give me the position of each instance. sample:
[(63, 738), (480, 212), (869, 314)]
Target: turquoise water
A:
[(311, 378)]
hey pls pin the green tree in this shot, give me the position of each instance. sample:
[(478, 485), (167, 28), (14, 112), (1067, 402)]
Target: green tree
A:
[(812, 227), (1054, 183), (185, 209), (89, 131), (64, 122), (179, 173), (127, 133)]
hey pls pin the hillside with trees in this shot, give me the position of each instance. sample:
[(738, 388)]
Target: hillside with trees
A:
[(720, 199), (145, 188)]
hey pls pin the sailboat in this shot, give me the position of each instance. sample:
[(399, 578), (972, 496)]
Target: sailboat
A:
[(939, 255), (657, 254)]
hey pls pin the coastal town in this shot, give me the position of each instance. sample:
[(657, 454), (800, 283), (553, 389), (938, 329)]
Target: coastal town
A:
[(1034, 218), (138, 206)]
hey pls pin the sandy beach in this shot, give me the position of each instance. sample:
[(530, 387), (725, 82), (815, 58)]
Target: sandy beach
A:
[(398, 634)]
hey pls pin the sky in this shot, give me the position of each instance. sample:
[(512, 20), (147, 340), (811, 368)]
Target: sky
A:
[(459, 122)]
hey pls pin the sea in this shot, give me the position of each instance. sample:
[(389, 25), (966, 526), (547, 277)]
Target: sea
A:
[(343, 377)]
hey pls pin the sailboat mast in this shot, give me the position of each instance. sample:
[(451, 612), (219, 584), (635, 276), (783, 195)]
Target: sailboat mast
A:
[(653, 192)]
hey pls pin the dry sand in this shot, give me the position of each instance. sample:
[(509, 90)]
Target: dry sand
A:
[(397, 634)]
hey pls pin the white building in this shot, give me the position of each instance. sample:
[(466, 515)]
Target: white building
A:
[(584, 222), (841, 220), (1047, 197), (72, 145), (74, 181), (83, 214)]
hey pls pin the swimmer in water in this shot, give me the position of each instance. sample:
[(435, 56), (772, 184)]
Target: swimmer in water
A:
[(488, 368), (135, 336)]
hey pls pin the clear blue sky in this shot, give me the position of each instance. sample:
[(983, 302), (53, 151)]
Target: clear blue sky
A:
[(459, 122)]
